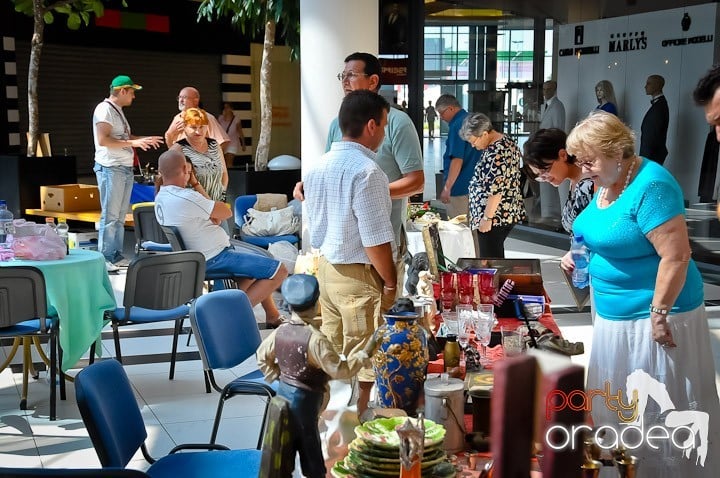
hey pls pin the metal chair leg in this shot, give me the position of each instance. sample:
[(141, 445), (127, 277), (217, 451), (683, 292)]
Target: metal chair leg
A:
[(27, 358), (173, 355), (116, 338), (207, 381), (63, 395), (53, 377)]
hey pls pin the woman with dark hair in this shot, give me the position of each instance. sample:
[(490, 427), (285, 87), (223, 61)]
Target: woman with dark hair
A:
[(547, 159), (495, 199)]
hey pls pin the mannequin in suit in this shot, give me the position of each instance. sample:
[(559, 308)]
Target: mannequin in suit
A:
[(553, 116), (553, 112), (653, 132)]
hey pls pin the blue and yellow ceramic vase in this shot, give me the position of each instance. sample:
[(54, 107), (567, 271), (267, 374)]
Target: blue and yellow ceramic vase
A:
[(400, 361)]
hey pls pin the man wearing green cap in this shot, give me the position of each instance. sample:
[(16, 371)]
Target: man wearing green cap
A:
[(114, 145)]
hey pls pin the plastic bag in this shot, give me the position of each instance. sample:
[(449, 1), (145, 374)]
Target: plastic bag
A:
[(285, 253), (37, 242), (308, 262), (277, 222)]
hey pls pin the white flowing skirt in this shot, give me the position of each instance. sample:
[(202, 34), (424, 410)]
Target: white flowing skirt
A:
[(675, 386)]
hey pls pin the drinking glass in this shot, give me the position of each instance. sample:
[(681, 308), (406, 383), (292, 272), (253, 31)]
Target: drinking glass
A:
[(449, 292), (465, 323), (511, 341), (465, 287), (450, 323), (483, 325)]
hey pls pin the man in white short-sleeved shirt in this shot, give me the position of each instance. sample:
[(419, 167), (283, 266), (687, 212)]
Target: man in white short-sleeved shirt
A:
[(113, 168), (198, 221)]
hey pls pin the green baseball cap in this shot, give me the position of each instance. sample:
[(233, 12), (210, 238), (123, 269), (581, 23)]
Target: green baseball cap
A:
[(124, 81)]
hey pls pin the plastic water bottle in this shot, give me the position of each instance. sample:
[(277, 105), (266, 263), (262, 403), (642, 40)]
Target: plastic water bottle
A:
[(581, 257), (7, 229), (50, 222), (62, 230)]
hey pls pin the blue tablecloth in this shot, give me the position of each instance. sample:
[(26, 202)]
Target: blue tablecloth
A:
[(79, 291), (142, 193)]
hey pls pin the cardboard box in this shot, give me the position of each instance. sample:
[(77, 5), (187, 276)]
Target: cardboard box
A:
[(83, 240), (70, 197)]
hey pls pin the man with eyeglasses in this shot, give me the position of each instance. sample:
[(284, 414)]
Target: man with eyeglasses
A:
[(189, 97), (400, 156), (459, 158), (113, 168)]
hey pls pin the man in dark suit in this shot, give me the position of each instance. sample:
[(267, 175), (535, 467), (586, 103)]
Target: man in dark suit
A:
[(653, 132)]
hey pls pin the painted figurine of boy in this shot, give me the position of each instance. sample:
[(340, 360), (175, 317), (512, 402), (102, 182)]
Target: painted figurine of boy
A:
[(303, 360)]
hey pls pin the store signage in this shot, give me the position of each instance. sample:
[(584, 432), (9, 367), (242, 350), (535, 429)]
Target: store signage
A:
[(394, 71), (627, 41), (688, 41)]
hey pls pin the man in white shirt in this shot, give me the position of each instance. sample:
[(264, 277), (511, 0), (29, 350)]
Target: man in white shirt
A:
[(113, 168), (553, 116), (348, 205), (197, 219), (553, 112), (189, 97)]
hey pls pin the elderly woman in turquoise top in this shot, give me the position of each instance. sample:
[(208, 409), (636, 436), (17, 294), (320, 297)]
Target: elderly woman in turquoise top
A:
[(650, 330)]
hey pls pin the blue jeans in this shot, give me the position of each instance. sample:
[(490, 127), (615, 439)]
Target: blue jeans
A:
[(115, 185)]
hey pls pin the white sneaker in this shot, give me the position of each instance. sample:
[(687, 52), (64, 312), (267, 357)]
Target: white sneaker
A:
[(122, 263), (110, 267)]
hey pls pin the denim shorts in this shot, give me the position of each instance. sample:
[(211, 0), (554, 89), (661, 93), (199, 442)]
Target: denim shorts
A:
[(233, 262)]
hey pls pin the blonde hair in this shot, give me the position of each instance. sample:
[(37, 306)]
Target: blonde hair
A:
[(195, 117), (601, 132)]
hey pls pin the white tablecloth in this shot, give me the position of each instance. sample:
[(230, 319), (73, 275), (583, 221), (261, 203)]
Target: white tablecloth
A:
[(456, 243)]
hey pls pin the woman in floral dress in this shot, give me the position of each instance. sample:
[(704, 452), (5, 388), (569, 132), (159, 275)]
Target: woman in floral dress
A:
[(496, 202)]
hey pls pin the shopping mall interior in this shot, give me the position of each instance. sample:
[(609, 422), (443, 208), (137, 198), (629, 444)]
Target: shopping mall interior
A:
[(493, 55)]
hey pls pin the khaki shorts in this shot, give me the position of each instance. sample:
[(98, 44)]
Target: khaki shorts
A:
[(352, 304)]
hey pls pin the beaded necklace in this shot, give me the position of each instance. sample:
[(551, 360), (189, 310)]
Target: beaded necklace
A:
[(602, 197)]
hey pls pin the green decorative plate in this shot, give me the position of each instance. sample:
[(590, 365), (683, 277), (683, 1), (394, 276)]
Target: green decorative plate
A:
[(376, 452), (341, 470), (381, 432), (368, 456)]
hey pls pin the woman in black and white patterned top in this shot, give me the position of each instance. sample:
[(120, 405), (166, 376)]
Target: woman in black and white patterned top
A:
[(495, 199), (204, 153), (547, 159)]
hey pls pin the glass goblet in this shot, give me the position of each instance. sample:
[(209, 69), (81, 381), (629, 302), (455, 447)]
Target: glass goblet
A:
[(483, 332)]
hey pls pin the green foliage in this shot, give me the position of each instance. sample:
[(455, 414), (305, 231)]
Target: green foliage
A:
[(78, 12), (250, 17)]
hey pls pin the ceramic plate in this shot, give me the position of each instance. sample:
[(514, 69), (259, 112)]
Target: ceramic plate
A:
[(381, 432)]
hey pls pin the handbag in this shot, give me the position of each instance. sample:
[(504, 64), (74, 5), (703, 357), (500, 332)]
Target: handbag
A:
[(276, 222)]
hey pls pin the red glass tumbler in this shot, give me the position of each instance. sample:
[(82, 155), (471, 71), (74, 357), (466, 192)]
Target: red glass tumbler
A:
[(465, 287), (447, 282)]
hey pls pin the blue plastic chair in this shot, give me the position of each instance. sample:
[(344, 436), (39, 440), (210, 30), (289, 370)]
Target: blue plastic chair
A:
[(112, 417), (23, 314), (242, 204), (71, 473), (160, 288), (227, 334)]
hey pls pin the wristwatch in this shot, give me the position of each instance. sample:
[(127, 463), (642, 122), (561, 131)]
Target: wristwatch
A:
[(485, 218), (656, 310)]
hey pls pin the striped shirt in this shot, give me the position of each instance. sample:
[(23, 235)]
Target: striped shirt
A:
[(348, 204)]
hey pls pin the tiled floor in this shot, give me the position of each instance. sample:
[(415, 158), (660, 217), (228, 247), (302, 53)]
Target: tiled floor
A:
[(180, 411)]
